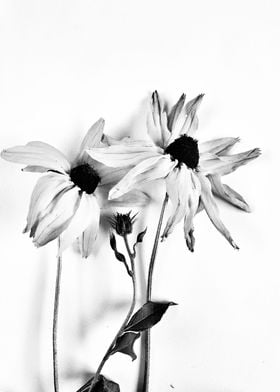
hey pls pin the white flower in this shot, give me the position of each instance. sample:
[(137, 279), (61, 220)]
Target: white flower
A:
[(192, 170), (66, 200)]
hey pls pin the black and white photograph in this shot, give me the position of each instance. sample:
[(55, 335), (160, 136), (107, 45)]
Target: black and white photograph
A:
[(139, 166)]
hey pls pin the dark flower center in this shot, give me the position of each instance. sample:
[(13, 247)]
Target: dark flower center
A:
[(185, 150), (85, 177)]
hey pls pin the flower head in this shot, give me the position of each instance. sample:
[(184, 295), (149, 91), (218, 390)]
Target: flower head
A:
[(66, 200), (192, 170), (123, 223)]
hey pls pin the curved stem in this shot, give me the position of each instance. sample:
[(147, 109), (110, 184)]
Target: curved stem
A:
[(147, 334), (129, 314), (55, 319)]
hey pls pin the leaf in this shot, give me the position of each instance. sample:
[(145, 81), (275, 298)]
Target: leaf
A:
[(124, 344), (147, 316), (102, 385), (141, 236), (119, 256)]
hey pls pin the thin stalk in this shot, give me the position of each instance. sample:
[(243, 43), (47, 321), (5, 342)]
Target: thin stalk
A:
[(147, 334), (129, 314), (55, 319)]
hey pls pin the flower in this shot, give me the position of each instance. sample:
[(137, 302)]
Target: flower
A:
[(123, 223), (192, 170), (66, 200)]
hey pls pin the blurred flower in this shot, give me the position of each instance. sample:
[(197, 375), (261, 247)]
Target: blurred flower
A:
[(66, 201), (192, 170)]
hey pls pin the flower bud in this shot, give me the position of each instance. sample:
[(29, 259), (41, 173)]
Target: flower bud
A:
[(123, 223)]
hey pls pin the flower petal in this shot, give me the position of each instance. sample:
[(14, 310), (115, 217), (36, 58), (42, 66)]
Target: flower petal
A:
[(217, 146), (222, 165), (183, 190), (212, 209), (123, 155), (92, 138), (87, 212), (193, 204), (157, 121), (88, 237), (176, 111), (133, 198), (38, 154), (187, 120), (228, 194), (44, 192), (148, 170), (57, 217)]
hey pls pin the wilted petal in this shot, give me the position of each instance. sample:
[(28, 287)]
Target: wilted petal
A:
[(183, 191), (217, 146), (123, 155), (148, 170), (187, 120), (175, 112), (193, 204), (222, 165), (134, 198), (228, 194), (212, 209), (87, 212), (57, 217), (88, 237), (157, 121), (46, 189), (37, 154), (92, 138), (190, 239)]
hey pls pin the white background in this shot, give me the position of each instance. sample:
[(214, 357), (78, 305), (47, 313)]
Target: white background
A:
[(63, 65)]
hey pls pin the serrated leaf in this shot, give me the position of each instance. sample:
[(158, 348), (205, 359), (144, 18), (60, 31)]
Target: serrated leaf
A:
[(141, 235), (102, 385), (125, 343), (147, 316)]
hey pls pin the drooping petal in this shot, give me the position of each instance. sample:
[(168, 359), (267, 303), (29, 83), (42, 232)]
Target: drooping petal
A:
[(88, 237), (228, 194), (57, 217), (127, 140), (87, 212), (190, 238), (222, 165), (212, 209), (123, 155), (148, 170), (134, 198), (217, 146), (44, 192), (183, 190), (37, 154), (193, 204), (92, 138)]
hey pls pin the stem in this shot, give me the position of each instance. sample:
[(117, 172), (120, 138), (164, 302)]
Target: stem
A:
[(129, 314), (55, 319), (147, 334)]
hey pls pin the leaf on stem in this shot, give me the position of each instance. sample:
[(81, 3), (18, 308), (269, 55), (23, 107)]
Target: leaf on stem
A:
[(119, 256), (102, 385), (125, 343), (141, 236), (147, 316)]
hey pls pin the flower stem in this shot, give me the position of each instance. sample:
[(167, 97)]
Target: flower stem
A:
[(147, 334), (55, 319), (129, 314)]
